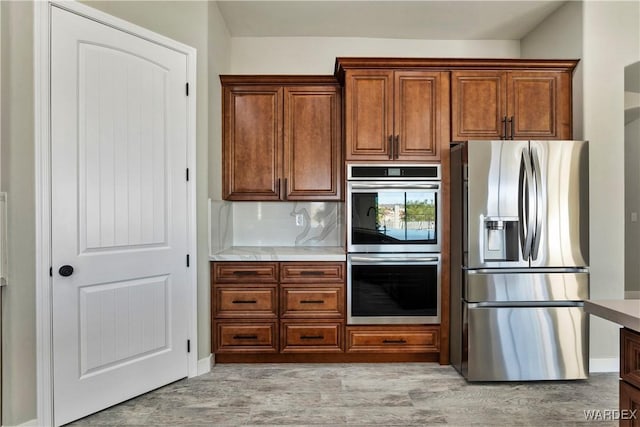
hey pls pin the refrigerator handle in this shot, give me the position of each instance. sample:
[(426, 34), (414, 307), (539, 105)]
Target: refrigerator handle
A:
[(525, 200), (537, 235)]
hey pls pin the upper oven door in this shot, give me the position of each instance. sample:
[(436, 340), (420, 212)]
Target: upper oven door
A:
[(393, 216)]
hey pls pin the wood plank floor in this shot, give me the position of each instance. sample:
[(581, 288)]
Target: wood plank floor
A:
[(400, 394)]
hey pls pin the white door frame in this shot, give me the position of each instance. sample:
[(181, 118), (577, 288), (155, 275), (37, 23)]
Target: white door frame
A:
[(44, 296)]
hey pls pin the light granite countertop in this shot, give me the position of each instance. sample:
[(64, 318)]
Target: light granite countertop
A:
[(625, 312), (280, 253)]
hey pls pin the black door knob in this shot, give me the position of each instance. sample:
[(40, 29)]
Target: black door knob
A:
[(66, 270)]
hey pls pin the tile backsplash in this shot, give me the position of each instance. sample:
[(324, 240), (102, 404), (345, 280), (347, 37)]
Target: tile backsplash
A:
[(276, 224)]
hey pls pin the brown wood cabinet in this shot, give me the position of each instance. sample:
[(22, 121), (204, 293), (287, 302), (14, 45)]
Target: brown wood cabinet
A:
[(510, 105), (277, 307), (395, 115), (393, 339), (311, 336), (629, 377), (282, 138)]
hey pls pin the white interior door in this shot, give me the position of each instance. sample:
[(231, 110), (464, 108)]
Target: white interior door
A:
[(119, 215)]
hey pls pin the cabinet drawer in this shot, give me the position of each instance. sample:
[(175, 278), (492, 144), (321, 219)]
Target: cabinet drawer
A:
[(245, 337), (412, 339), (245, 302), (245, 272), (314, 272), (630, 356), (311, 301), (311, 337)]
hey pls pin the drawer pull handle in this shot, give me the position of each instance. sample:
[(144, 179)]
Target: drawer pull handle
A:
[(312, 273), (245, 273), (312, 301), (312, 337), (400, 341), (245, 337), (239, 301)]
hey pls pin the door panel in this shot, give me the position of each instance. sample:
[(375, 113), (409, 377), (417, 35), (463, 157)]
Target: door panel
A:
[(477, 104), (563, 210), (252, 130), (122, 149), (121, 321), (493, 190), (119, 215), (369, 114), (312, 138), (417, 115), (539, 103)]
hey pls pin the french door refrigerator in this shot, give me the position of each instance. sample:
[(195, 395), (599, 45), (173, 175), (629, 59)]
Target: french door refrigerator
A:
[(519, 260)]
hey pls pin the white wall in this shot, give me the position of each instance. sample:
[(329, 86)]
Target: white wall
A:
[(611, 41), (219, 47), (560, 37), (316, 55), (19, 340), (219, 63)]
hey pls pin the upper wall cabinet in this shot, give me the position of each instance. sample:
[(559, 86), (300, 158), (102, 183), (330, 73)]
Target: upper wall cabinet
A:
[(395, 115), (399, 109), (281, 138), (511, 105)]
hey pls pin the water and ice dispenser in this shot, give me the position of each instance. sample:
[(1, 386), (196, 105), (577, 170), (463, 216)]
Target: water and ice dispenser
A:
[(500, 239)]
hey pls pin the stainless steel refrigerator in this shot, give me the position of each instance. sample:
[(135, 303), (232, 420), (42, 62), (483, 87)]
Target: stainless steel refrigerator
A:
[(519, 260)]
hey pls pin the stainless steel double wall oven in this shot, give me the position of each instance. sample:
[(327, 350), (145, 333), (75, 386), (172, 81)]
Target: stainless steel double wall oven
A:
[(393, 244)]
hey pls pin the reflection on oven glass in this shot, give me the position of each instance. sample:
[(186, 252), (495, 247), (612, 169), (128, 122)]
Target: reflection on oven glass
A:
[(394, 217)]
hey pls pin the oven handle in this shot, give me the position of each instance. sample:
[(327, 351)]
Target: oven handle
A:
[(384, 186), (375, 260)]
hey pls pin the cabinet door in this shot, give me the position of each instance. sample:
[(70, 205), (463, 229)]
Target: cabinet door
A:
[(540, 104), (312, 143), (368, 114), (629, 405), (252, 142), (478, 105), (420, 114)]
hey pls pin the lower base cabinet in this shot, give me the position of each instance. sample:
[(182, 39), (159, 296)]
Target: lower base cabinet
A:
[(245, 337), (629, 405), (393, 339), (629, 378), (311, 337), (295, 312)]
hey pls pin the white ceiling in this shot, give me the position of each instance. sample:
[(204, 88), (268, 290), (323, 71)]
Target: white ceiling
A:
[(436, 20)]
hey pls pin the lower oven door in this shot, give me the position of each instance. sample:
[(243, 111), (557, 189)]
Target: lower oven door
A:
[(393, 289)]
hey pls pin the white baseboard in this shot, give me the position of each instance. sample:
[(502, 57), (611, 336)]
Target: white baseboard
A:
[(632, 295), (30, 423), (609, 364), (204, 365)]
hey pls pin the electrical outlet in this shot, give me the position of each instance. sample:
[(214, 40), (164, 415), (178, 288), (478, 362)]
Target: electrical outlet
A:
[(634, 216), (299, 220)]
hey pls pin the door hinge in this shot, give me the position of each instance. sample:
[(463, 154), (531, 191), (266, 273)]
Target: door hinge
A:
[(187, 88), (50, 271), (188, 346), (187, 260), (187, 174)]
